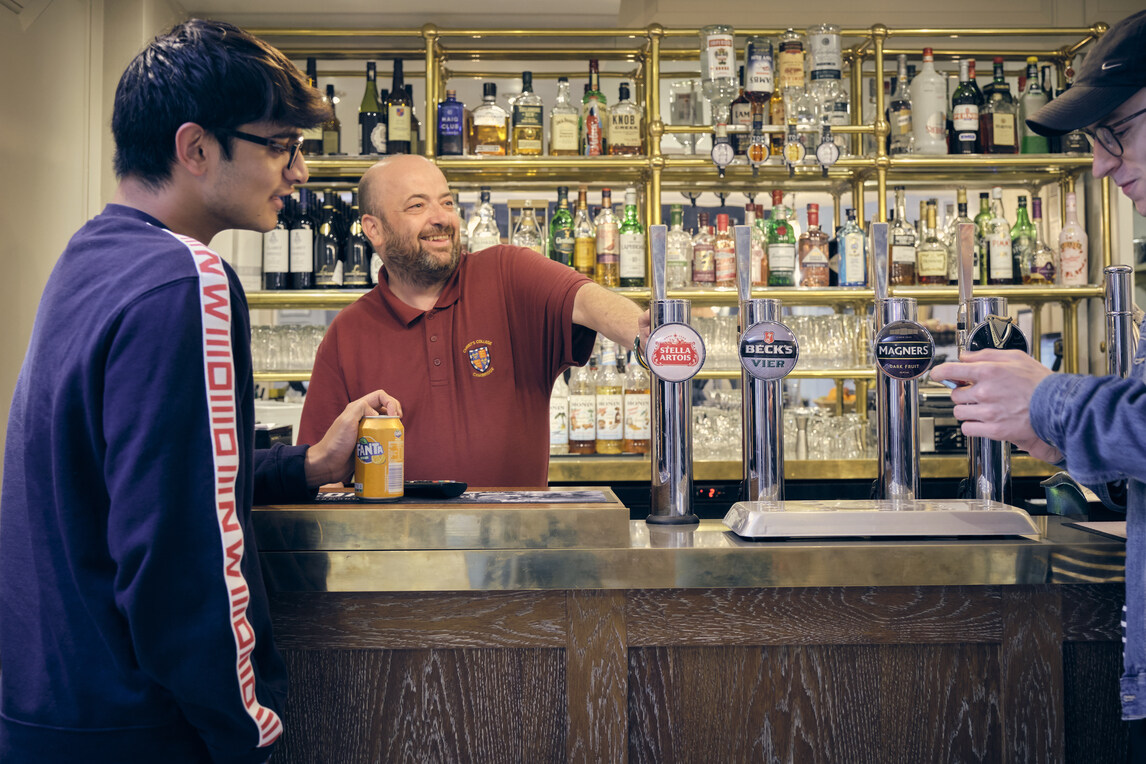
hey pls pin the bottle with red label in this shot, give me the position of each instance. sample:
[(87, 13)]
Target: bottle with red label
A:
[(813, 252), (703, 265), (724, 253)]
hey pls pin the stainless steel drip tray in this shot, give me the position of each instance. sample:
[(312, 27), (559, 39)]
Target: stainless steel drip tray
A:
[(762, 520)]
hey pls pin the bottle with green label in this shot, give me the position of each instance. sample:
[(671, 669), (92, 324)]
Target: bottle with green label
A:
[(632, 236), (561, 241), (781, 245)]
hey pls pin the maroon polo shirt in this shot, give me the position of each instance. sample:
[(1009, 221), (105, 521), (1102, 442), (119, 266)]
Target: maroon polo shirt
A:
[(473, 373)]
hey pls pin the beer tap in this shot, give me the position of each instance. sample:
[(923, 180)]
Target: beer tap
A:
[(1121, 332)]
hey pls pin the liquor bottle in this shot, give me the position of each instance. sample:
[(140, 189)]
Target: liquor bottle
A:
[(932, 255), (718, 69), (483, 203), (781, 245), (703, 254), (451, 122), (398, 105), (1023, 238), (724, 253), (638, 409), (610, 402), (485, 233), (965, 112), (332, 128), (276, 253), (929, 108), (678, 251), (371, 125), (758, 260), (608, 243), (584, 236), (415, 123), (902, 136), (327, 263), (489, 125), (527, 234), (950, 233), (632, 240), (624, 125), (594, 115), (1000, 260), (356, 251), (776, 116), (812, 252), (1073, 247), (559, 417), (997, 128), (759, 72), (852, 246), (1032, 99), (903, 244), (528, 120), (825, 84), (312, 136), (564, 123), (1043, 267), (302, 228), (582, 411), (741, 114), (790, 59), (561, 240), (982, 223)]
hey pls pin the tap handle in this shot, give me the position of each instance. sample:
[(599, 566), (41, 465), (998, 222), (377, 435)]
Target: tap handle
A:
[(965, 253), (743, 236), (657, 237), (879, 261)]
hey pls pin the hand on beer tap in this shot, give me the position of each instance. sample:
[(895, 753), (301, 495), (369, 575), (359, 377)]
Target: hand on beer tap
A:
[(331, 460), (994, 396)]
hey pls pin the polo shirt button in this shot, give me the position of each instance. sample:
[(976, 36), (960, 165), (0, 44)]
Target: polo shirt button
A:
[(437, 361), (434, 338), (429, 315)]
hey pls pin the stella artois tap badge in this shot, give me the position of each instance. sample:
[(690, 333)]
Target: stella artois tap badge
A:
[(675, 352)]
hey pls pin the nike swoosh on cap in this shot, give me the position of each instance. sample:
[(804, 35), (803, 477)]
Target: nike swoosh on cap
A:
[(1111, 65)]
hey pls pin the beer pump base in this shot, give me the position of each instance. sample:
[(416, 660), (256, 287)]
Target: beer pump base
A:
[(672, 520), (920, 518)]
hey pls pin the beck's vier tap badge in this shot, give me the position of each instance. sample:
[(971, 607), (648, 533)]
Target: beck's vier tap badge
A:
[(480, 355)]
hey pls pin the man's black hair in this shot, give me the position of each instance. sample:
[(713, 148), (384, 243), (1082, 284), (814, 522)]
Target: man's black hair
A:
[(213, 74)]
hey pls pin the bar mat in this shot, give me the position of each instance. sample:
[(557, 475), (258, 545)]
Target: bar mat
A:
[(481, 497), (1113, 530)]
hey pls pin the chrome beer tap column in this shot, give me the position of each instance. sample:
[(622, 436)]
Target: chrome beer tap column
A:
[(674, 354), (768, 352), (1120, 328)]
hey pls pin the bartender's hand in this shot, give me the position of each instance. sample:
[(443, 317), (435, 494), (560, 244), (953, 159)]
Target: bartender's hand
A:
[(331, 460), (644, 326), (993, 399)]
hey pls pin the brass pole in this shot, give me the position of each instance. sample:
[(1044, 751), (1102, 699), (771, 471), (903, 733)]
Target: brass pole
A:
[(430, 35), (879, 35), (1070, 336), (653, 122), (1037, 330)]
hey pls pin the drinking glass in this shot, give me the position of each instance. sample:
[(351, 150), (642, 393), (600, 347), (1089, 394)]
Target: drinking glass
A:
[(686, 109)]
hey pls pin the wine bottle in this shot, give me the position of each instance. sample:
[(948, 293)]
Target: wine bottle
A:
[(327, 263), (398, 125), (302, 227), (276, 254), (356, 251), (965, 105), (312, 136), (332, 128), (371, 126)]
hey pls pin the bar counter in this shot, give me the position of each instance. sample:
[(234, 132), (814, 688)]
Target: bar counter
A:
[(544, 632)]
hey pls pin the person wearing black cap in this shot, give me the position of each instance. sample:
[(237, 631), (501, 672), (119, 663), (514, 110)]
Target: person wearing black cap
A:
[(1095, 427)]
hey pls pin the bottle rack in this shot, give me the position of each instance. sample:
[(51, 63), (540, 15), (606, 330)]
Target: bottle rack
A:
[(657, 173)]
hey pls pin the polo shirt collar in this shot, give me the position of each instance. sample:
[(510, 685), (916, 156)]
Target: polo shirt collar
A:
[(408, 314)]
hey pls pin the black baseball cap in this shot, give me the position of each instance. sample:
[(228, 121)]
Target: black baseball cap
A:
[(1113, 71)]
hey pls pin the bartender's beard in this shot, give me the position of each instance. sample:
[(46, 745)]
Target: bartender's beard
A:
[(409, 259)]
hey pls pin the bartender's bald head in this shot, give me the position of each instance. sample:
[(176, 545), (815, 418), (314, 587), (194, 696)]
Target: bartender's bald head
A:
[(380, 184)]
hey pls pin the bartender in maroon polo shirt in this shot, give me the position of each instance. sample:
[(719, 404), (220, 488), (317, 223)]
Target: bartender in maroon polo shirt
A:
[(470, 344)]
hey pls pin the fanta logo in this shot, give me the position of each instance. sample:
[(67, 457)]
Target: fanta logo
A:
[(480, 355), (676, 351), (370, 451)]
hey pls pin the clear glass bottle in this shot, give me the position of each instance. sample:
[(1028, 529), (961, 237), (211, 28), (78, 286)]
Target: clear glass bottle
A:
[(812, 251), (489, 125), (758, 258), (678, 251), (632, 243), (982, 223), (781, 245), (965, 105), (559, 417), (949, 238), (1023, 238), (625, 125), (851, 243), (564, 123), (903, 244), (790, 59), (718, 69), (485, 233), (703, 254), (1044, 265), (1032, 99), (608, 243), (451, 126), (825, 72), (1000, 260), (931, 256), (483, 201), (638, 409), (929, 108), (901, 138), (528, 120), (584, 236), (561, 239), (582, 411), (528, 233), (724, 253), (610, 401), (594, 115), (997, 128), (1073, 247)]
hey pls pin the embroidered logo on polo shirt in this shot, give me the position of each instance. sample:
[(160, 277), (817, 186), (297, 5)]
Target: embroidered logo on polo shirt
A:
[(480, 355)]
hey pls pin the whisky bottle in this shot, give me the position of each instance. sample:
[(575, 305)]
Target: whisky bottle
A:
[(1000, 260), (608, 243), (398, 106), (678, 251), (790, 59), (929, 108), (997, 128), (901, 138), (1032, 99), (1023, 238), (564, 123), (1044, 265), (561, 239), (703, 255), (1073, 246), (741, 115), (812, 251), (451, 123), (781, 245), (488, 131), (931, 257), (594, 115), (724, 254), (582, 411), (852, 246), (903, 244), (610, 402), (965, 105), (528, 120), (638, 409), (584, 236), (624, 125), (527, 234), (371, 125), (632, 242)]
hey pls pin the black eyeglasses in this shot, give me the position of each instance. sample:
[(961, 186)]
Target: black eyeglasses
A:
[(1104, 134), (290, 146)]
